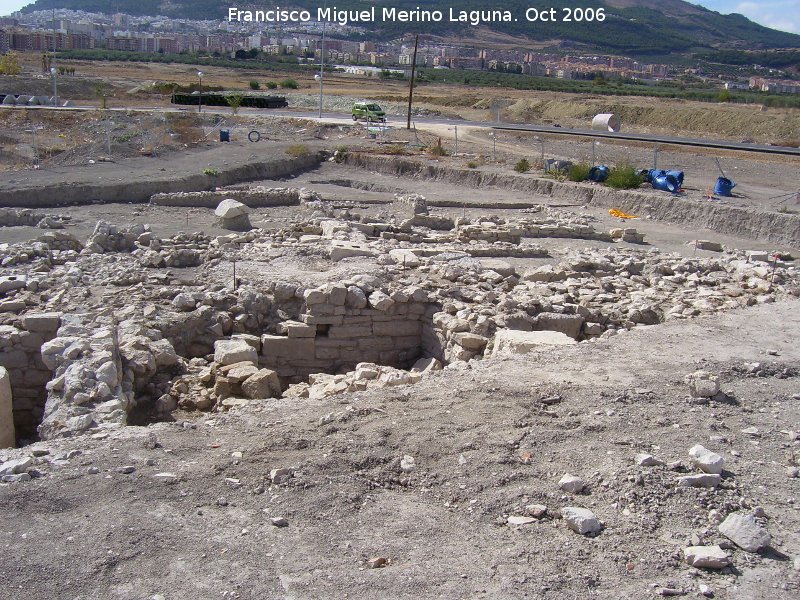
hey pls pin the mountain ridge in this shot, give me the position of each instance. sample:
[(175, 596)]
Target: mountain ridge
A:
[(643, 27)]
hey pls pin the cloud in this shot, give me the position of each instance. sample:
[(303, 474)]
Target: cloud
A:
[(783, 15)]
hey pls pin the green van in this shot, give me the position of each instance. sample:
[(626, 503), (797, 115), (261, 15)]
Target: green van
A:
[(369, 111)]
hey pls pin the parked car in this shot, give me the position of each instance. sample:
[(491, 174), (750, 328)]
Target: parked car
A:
[(368, 111)]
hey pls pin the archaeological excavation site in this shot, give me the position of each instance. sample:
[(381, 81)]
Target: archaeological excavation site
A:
[(345, 373)]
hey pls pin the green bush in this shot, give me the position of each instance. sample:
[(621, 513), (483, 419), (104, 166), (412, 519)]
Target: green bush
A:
[(437, 150), (473, 164), (522, 166), (271, 85), (254, 85), (289, 84), (624, 177), (210, 172), (298, 150), (395, 149), (578, 172)]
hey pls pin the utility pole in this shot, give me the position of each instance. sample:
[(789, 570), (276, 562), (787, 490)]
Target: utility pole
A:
[(200, 98), (411, 83), (322, 61)]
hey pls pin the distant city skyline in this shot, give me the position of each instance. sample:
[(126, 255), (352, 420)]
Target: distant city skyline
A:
[(783, 15)]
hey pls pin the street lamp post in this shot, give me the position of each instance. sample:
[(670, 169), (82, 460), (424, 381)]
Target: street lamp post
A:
[(200, 98), (494, 146), (54, 75)]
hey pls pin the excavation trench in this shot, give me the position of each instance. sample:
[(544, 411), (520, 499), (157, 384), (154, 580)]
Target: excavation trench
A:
[(744, 222)]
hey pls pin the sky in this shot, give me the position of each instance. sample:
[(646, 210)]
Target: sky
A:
[(778, 14)]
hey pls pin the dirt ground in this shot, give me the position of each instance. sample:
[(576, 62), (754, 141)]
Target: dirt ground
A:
[(206, 532)]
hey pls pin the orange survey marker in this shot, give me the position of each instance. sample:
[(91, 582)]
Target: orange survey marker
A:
[(619, 214)]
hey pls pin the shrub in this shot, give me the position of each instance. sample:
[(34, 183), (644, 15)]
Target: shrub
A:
[(624, 177), (234, 101), (340, 154), (396, 149), (211, 172), (271, 85), (473, 164), (9, 64), (437, 150), (289, 84), (578, 172), (254, 85), (298, 150), (522, 166)]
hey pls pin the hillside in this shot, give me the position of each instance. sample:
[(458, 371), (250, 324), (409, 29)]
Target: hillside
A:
[(641, 28)]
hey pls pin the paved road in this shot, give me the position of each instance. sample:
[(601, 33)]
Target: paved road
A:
[(543, 129)]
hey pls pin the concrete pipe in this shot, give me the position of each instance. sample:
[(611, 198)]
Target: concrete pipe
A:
[(606, 122)]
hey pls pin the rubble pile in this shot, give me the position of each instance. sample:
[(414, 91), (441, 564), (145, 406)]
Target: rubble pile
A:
[(445, 296), (25, 217), (252, 196)]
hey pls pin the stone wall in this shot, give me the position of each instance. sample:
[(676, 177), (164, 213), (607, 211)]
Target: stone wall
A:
[(20, 354), (256, 197), (731, 220), (107, 192), (346, 325), (7, 439), (25, 217), (410, 205)]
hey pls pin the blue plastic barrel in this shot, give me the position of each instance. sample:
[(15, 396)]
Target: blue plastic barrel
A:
[(677, 175), (724, 186), (599, 173), (666, 183), (224, 135)]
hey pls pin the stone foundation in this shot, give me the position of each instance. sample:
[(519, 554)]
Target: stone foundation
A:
[(20, 354)]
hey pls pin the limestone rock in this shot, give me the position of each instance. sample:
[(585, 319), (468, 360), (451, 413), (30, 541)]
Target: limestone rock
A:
[(518, 520), (581, 520), (508, 342), (703, 384), (571, 484), (380, 301), (262, 384), (15, 466), (706, 557), (648, 460), (706, 460), (744, 531), (230, 208), (227, 352), (706, 480)]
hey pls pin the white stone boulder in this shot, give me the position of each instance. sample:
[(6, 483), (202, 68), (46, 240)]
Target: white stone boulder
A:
[(706, 557), (233, 215), (581, 520), (703, 384), (571, 484), (508, 342), (706, 460), (228, 352), (744, 531)]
